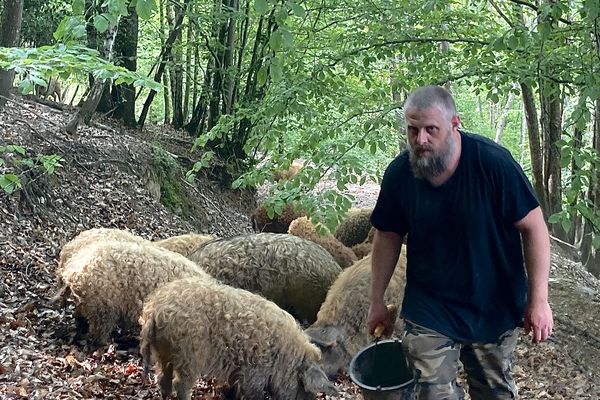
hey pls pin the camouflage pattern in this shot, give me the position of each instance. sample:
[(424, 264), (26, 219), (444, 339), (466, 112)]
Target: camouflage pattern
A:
[(435, 360)]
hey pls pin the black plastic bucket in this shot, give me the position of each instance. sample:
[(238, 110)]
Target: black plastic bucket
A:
[(381, 372)]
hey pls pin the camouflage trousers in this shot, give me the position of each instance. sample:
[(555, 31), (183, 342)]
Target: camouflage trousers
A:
[(435, 360)]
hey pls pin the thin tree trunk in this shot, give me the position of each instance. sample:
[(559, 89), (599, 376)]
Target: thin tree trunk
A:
[(12, 17), (165, 55), (504, 117), (86, 111), (123, 95), (551, 121), (189, 65), (176, 73), (195, 81), (590, 256), (217, 82), (535, 148), (480, 108), (167, 98), (577, 223), (241, 52), (522, 135), (229, 72)]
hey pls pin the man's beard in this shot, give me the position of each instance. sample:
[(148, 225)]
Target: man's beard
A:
[(436, 163)]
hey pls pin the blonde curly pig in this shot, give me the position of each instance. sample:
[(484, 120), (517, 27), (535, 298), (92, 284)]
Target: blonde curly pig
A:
[(294, 273), (304, 228), (184, 244), (341, 327), (109, 280), (90, 236), (194, 327)]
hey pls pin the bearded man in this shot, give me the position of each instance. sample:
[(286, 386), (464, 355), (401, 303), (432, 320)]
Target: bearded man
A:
[(478, 253)]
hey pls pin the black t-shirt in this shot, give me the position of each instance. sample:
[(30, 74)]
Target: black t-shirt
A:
[(465, 274)]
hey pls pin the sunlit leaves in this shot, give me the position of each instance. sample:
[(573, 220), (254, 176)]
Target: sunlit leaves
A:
[(37, 65)]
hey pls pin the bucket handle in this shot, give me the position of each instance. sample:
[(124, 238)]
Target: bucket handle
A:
[(393, 314)]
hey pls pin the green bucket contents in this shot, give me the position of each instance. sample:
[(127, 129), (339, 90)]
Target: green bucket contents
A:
[(381, 372)]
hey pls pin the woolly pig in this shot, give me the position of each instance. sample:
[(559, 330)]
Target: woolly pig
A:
[(294, 273), (109, 280), (364, 248), (355, 228), (184, 244), (302, 227), (93, 235), (292, 171), (194, 327), (341, 327), (277, 224)]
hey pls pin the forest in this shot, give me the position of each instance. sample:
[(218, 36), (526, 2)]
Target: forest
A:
[(236, 92), (267, 82)]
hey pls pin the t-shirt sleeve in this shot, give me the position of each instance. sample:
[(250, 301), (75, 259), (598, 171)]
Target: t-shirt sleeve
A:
[(515, 193), (387, 215)]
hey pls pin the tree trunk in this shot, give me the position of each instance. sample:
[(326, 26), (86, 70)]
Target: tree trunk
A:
[(189, 66), (165, 56), (590, 256), (217, 82), (551, 121), (123, 95), (574, 233), (229, 72), (167, 98), (86, 111), (195, 80), (535, 149), (504, 117), (12, 17), (522, 135), (176, 70)]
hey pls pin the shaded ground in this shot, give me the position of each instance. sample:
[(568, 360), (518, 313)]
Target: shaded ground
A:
[(108, 180)]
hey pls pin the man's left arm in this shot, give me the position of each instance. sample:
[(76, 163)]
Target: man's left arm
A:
[(536, 248)]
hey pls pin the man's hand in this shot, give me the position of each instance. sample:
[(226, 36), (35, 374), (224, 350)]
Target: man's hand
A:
[(379, 315), (538, 321)]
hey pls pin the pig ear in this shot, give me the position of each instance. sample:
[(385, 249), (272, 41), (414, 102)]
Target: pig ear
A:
[(315, 381), (326, 336)]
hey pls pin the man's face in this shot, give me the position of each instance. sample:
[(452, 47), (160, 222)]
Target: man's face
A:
[(431, 143)]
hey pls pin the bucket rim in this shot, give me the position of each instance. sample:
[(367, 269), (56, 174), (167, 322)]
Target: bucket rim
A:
[(376, 388)]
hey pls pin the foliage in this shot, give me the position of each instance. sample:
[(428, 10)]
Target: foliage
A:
[(15, 163), (40, 19), (37, 65), (584, 178)]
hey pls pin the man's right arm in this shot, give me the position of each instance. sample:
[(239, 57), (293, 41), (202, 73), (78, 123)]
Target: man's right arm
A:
[(386, 250)]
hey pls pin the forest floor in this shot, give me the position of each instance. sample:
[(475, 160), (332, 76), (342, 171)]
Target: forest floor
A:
[(108, 179)]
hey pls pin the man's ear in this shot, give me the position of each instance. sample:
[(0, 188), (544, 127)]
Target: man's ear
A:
[(455, 121)]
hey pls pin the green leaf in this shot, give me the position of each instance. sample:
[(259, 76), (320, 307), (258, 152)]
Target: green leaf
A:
[(297, 9), (261, 6), (101, 23), (596, 242), (78, 7), (554, 218), (261, 76), (9, 183), (275, 70), (275, 40), (566, 224), (144, 8)]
